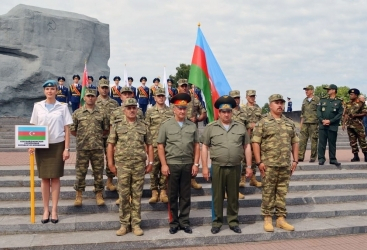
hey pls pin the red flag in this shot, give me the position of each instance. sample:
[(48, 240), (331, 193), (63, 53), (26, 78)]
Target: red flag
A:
[(84, 84)]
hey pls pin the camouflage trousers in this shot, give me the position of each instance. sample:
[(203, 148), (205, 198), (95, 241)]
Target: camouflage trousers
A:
[(107, 169), (157, 179), (130, 183), (308, 130), (83, 157), (274, 190), (357, 134), (253, 164)]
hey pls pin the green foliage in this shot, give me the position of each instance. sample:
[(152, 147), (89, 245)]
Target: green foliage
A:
[(265, 109), (183, 72), (342, 92)]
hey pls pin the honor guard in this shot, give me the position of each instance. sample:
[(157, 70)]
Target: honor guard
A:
[(143, 95), (153, 89), (115, 90), (130, 81), (90, 84), (196, 92), (74, 93), (102, 77), (171, 90), (289, 108), (62, 94)]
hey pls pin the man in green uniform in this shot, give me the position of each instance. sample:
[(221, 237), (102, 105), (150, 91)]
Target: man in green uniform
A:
[(309, 124), (329, 113), (228, 142), (274, 139), (89, 125), (128, 139), (253, 114), (195, 112), (153, 118), (179, 153), (354, 112), (107, 104)]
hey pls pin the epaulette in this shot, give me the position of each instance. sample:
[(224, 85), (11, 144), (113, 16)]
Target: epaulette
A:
[(210, 123), (165, 120)]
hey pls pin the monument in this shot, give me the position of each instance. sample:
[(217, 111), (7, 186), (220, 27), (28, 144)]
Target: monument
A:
[(37, 44)]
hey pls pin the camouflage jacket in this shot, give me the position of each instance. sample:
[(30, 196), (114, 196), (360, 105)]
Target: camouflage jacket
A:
[(309, 110), (118, 114), (89, 127), (107, 106), (154, 118), (352, 108), (253, 114), (275, 138), (239, 116), (130, 140)]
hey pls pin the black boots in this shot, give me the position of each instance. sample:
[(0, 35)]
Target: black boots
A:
[(356, 157)]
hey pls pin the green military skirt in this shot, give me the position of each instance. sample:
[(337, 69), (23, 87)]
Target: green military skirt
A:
[(49, 161)]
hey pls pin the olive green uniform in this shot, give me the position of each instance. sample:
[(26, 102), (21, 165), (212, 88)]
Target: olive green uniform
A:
[(329, 109), (275, 137), (309, 127), (226, 149), (179, 144), (355, 126)]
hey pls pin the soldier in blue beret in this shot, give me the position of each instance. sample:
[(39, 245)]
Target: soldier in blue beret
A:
[(143, 95), (74, 93), (115, 90), (130, 82), (62, 93)]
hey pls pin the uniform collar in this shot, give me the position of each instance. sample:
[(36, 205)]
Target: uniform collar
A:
[(94, 110)]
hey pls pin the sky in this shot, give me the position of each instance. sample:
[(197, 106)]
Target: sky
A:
[(272, 46)]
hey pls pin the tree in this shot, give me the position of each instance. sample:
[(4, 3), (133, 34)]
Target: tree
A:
[(183, 72), (265, 109), (342, 92)]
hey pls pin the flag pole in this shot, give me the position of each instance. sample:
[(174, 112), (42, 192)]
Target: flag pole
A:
[(31, 161)]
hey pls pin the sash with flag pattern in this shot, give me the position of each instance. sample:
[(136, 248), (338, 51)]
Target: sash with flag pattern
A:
[(116, 91), (170, 92), (143, 92), (75, 90)]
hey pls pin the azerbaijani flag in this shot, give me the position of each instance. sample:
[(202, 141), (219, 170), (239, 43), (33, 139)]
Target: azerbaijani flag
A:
[(84, 84), (31, 133), (206, 74)]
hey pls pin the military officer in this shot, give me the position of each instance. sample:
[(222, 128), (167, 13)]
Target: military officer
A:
[(90, 83), (194, 108), (143, 95), (309, 124), (115, 90), (127, 141), (74, 93), (354, 112), (274, 139), (153, 118), (228, 142), (329, 113), (253, 115), (153, 89), (130, 81), (89, 125), (171, 90), (107, 104), (179, 153), (62, 94)]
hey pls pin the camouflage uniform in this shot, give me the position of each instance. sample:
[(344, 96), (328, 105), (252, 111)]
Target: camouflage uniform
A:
[(275, 138), (355, 126), (118, 113), (153, 118), (310, 127), (130, 157), (89, 127)]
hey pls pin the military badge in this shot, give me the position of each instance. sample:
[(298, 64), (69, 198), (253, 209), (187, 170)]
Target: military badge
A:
[(323, 109), (334, 109)]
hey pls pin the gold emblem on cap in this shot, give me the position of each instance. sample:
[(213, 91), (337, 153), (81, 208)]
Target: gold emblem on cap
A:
[(225, 96)]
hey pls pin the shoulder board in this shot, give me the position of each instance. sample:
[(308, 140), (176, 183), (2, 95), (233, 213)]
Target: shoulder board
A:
[(211, 123), (166, 120)]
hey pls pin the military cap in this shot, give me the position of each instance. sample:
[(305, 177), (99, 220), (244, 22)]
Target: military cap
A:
[(89, 91), (288, 98), (61, 78), (225, 102), (156, 79), (355, 91), (309, 87), (182, 82), (235, 93), (126, 89), (276, 97), (250, 92), (181, 100), (102, 77), (169, 80), (117, 78), (130, 102), (50, 83), (143, 78), (104, 83), (77, 76), (331, 86), (160, 91), (130, 78), (91, 77)]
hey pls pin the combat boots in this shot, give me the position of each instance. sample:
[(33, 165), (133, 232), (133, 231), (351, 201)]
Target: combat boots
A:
[(254, 182), (356, 157), (78, 199), (281, 223), (109, 184), (195, 185), (268, 224), (163, 196), (99, 198), (241, 196), (122, 231), (243, 181), (154, 198), (138, 231)]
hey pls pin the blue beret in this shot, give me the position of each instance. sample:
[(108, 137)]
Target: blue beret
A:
[(50, 83)]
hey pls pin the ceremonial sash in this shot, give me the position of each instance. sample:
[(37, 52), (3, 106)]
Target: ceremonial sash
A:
[(116, 91), (170, 92), (75, 90), (143, 92)]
